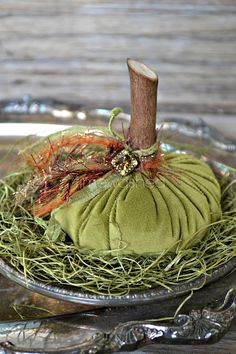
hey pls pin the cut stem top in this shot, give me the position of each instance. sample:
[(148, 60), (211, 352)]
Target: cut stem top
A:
[(143, 88)]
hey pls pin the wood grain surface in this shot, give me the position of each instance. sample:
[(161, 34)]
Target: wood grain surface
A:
[(76, 50)]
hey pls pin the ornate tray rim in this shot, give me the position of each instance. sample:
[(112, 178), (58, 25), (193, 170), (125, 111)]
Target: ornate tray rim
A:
[(141, 297)]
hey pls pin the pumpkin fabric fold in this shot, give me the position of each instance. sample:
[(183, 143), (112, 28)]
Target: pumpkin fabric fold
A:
[(133, 215)]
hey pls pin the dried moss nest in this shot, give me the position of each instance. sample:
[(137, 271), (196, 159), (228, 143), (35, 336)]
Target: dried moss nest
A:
[(25, 246)]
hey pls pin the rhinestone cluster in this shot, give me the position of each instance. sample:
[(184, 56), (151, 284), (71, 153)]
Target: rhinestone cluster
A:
[(125, 162)]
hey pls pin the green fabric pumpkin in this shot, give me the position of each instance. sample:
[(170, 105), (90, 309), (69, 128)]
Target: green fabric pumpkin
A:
[(132, 215)]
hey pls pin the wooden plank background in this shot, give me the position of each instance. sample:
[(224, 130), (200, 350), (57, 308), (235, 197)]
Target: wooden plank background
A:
[(76, 50)]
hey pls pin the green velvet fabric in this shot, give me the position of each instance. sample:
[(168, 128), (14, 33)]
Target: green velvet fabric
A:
[(132, 215)]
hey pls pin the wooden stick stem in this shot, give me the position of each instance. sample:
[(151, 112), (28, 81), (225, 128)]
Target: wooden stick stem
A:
[(143, 88)]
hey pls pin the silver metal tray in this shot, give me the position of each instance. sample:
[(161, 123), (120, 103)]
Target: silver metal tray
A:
[(218, 150), (192, 132), (139, 297)]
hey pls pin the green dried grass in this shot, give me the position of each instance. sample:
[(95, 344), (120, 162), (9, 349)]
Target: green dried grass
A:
[(24, 244)]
